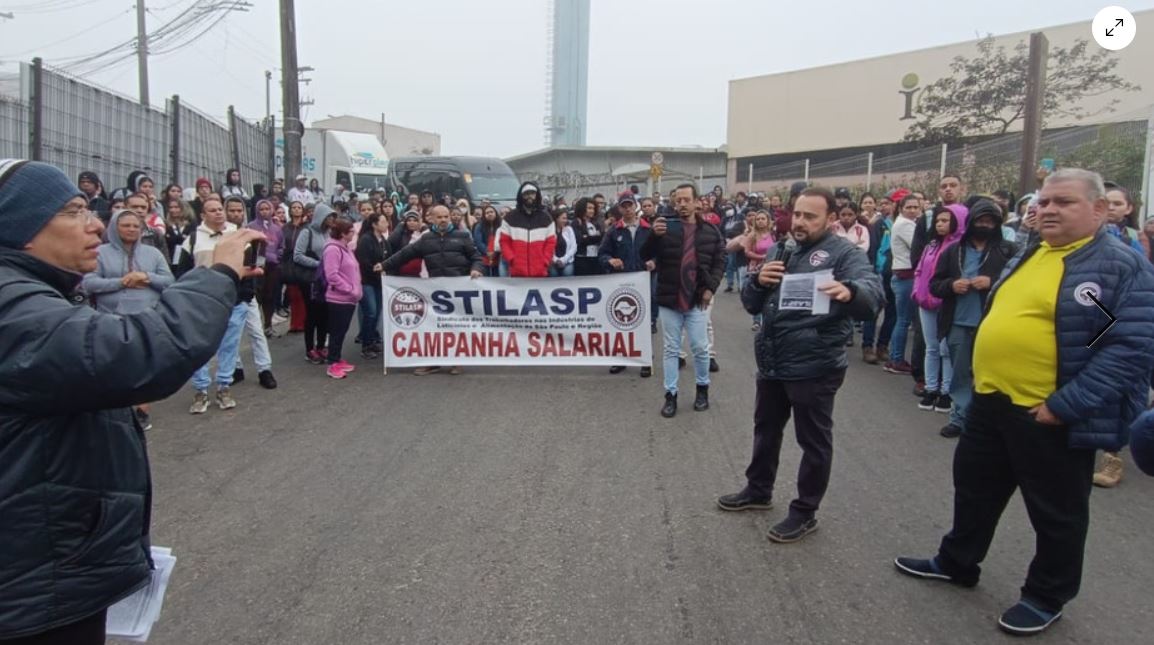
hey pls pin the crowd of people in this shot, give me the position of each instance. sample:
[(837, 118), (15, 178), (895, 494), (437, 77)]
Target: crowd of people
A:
[(986, 302)]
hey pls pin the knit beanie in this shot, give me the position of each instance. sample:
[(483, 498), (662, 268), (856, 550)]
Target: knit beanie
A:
[(31, 193)]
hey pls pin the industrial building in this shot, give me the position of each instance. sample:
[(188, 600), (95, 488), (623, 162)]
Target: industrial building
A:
[(801, 119)]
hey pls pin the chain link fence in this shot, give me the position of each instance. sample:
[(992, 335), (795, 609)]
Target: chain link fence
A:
[(76, 126), (13, 129), (1116, 150)]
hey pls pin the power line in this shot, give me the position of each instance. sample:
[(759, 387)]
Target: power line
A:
[(49, 6)]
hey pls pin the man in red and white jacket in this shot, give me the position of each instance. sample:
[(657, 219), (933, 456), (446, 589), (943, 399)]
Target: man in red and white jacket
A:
[(527, 235)]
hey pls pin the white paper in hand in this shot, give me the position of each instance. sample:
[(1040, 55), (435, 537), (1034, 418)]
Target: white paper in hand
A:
[(132, 619), (799, 292)]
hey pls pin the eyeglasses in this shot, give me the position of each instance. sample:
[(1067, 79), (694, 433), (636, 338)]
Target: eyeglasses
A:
[(78, 213)]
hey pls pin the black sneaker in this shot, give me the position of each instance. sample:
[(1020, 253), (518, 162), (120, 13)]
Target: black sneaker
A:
[(713, 366), (616, 369), (951, 431), (144, 420), (237, 376), (1024, 619), (646, 372), (928, 570), (928, 400), (943, 403), (792, 529), (669, 410), (744, 501), (729, 289), (701, 401), (267, 381)]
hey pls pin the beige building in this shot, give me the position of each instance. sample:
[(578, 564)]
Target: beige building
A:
[(398, 141), (784, 117)]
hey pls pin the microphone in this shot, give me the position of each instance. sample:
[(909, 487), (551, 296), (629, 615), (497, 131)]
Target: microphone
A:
[(784, 252)]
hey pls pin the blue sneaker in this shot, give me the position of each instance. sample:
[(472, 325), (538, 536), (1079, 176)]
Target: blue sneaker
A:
[(1024, 619), (929, 570)]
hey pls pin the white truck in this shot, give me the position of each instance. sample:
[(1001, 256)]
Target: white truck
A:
[(354, 160)]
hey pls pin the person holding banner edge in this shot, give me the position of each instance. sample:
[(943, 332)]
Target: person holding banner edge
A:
[(447, 252), (689, 255), (620, 252)]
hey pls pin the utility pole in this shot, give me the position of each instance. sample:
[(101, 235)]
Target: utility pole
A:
[(293, 128), (267, 94), (1032, 129), (142, 52)]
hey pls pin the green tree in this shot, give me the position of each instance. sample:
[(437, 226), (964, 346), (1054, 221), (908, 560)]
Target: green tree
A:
[(986, 94)]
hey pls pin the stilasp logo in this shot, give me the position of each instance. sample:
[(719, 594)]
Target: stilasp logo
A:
[(407, 308), (626, 309)]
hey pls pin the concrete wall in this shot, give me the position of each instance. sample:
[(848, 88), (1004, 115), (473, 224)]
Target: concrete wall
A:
[(398, 141), (807, 109)]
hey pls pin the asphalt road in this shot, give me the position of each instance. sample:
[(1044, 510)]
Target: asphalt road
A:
[(557, 506)]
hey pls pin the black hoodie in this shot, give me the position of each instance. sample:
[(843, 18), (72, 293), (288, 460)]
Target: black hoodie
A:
[(950, 265)]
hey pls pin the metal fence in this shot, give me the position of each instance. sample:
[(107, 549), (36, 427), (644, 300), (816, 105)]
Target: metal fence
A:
[(1117, 150), (13, 129), (77, 126)]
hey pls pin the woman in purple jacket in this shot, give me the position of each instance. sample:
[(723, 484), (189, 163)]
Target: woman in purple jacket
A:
[(342, 292)]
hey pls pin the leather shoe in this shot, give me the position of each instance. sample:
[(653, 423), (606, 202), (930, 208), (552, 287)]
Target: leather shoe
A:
[(701, 402), (670, 408)]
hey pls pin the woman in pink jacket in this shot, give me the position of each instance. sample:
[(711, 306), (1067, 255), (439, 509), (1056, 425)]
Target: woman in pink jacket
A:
[(342, 292), (948, 224)]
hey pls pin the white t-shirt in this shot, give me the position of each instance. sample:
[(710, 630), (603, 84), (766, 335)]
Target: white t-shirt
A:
[(902, 238), (304, 196)]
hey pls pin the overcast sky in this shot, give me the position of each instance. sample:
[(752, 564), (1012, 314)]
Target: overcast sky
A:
[(473, 71)]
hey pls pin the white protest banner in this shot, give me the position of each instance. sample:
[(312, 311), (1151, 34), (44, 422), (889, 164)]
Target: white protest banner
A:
[(589, 320)]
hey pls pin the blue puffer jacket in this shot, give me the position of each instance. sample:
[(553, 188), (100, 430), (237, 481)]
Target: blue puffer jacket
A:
[(1142, 442), (1101, 390)]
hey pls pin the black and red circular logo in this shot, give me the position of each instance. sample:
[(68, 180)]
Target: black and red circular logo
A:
[(407, 308), (626, 309)]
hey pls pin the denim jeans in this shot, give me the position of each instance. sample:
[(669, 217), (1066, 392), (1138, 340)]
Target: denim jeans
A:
[(870, 331), (731, 271), (564, 272), (903, 289), (226, 355), (937, 354), (370, 309), (695, 322), (252, 326), (960, 341)]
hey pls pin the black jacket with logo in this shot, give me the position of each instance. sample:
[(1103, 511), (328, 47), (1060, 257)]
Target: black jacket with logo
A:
[(796, 345)]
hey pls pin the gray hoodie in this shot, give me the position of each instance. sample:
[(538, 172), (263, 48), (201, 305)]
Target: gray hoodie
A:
[(312, 238), (114, 262)]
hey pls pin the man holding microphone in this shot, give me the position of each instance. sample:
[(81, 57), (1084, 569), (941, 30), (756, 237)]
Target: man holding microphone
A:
[(801, 356)]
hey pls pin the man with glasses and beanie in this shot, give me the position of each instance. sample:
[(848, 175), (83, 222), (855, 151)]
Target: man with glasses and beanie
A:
[(1052, 384), (75, 489)]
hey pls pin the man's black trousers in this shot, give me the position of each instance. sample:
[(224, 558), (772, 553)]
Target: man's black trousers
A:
[(1003, 449), (810, 402)]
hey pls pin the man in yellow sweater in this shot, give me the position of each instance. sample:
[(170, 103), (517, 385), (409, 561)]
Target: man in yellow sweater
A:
[(1049, 389)]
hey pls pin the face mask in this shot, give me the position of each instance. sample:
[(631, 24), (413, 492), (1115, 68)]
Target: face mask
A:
[(982, 233)]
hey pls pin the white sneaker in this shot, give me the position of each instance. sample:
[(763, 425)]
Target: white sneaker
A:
[(199, 403)]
